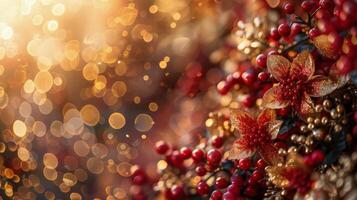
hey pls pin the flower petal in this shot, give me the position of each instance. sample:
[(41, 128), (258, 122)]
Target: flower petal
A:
[(305, 105), (274, 127), (303, 66), (325, 47), (273, 98), (339, 79), (320, 86), (239, 152), (242, 121), (266, 115), (278, 66), (269, 154)]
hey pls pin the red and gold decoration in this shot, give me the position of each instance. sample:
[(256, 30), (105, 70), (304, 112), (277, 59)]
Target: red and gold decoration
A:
[(178, 99)]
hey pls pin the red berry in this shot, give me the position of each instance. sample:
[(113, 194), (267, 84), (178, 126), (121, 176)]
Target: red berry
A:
[(201, 170), (288, 8), (237, 180), (335, 40), (261, 60), (274, 34), (307, 5), (317, 156), (260, 164), (217, 141), (248, 78), (177, 192), (248, 101), (139, 179), (216, 195), (202, 188), (284, 29), (228, 196), (185, 152), (213, 156), (263, 76), (250, 191), (161, 147), (221, 183), (296, 28), (197, 155), (176, 158), (325, 3), (234, 189), (223, 88), (308, 160), (344, 65), (326, 26), (232, 79), (314, 32), (244, 164), (256, 176)]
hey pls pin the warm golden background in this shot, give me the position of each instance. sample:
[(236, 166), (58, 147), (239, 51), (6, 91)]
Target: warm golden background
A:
[(88, 86)]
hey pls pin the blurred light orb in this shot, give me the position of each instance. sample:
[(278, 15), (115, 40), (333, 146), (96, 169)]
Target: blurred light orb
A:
[(143, 122), (52, 25), (6, 32), (19, 128), (58, 9)]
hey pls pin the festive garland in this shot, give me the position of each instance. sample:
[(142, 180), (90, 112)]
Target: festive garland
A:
[(291, 131)]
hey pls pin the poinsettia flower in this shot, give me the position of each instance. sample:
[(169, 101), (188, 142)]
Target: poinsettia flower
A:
[(255, 135), (297, 83)]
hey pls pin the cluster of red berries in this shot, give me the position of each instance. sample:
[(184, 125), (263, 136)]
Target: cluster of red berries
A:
[(335, 19), (232, 180)]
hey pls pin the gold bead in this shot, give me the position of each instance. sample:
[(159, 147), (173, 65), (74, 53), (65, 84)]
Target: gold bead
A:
[(309, 141), (310, 126), (283, 192), (317, 121), (282, 152), (340, 108), (318, 134), (327, 104), (292, 150), (328, 138), (307, 150), (293, 137), (324, 120), (318, 108), (310, 119), (303, 128), (301, 139), (337, 128), (344, 121), (334, 114)]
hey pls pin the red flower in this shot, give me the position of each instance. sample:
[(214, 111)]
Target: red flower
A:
[(296, 83), (255, 135)]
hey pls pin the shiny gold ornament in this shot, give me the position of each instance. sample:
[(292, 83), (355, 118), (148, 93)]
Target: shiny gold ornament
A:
[(327, 104), (319, 134)]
